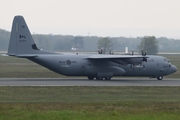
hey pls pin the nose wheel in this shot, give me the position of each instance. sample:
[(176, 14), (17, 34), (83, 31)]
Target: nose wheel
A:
[(160, 77)]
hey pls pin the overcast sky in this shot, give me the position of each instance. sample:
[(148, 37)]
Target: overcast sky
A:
[(129, 18)]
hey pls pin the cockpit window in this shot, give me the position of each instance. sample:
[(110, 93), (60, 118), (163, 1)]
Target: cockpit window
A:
[(166, 60)]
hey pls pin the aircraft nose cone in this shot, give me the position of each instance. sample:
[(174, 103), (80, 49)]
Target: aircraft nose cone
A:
[(173, 68)]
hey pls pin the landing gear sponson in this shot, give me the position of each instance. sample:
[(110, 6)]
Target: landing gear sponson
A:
[(109, 78)]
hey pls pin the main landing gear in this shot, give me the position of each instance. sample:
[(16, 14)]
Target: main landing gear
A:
[(99, 78)]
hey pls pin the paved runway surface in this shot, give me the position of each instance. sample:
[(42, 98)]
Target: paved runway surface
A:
[(85, 82)]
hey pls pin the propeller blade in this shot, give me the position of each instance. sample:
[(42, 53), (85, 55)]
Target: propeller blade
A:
[(145, 53), (132, 52), (131, 66), (142, 52), (144, 66)]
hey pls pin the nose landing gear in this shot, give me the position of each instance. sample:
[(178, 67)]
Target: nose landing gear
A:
[(160, 77)]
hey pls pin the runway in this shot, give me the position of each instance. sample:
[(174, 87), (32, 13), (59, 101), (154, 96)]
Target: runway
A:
[(85, 82)]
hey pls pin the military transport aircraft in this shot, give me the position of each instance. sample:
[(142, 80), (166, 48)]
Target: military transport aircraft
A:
[(99, 66)]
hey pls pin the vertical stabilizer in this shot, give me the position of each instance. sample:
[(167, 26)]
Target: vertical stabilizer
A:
[(21, 41)]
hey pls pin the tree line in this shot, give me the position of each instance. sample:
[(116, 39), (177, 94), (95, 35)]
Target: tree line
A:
[(90, 43)]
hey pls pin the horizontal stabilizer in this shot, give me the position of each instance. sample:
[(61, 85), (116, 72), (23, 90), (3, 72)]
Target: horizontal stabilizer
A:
[(26, 55), (23, 55)]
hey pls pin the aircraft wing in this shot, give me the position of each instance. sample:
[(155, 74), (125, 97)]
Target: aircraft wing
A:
[(120, 59), (114, 57)]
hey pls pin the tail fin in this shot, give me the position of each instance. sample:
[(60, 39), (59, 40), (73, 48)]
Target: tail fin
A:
[(21, 41)]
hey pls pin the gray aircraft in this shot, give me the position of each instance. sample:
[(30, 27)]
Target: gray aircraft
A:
[(99, 66)]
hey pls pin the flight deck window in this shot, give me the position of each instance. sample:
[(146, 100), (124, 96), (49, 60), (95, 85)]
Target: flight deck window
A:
[(166, 60)]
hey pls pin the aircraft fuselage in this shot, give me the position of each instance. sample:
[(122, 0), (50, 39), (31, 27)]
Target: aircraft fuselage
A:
[(79, 65)]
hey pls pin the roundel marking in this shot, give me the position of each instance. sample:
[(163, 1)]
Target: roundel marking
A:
[(68, 62)]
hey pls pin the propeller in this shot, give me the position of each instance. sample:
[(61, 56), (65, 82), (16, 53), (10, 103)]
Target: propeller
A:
[(143, 53), (143, 65), (132, 52), (144, 58), (132, 66)]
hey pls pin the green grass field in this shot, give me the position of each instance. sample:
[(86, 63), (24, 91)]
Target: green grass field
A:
[(90, 103), (12, 67), (83, 103)]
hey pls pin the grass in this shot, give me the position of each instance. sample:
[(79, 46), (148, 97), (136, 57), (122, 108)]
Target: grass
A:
[(88, 94), (18, 112), (11, 67), (91, 103), (79, 103)]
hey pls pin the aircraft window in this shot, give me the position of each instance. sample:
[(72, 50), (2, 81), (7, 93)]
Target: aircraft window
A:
[(166, 60)]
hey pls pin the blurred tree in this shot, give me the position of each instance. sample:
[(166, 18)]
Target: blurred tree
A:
[(149, 44), (78, 42), (104, 44)]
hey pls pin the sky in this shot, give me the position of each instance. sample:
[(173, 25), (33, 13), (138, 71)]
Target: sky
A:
[(113, 18)]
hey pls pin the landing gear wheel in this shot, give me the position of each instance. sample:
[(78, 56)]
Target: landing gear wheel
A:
[(160, 77), (99, 78), (107, 78), (90, 77)]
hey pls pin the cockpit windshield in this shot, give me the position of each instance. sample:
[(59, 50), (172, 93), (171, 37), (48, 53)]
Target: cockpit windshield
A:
[(166, 60)]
